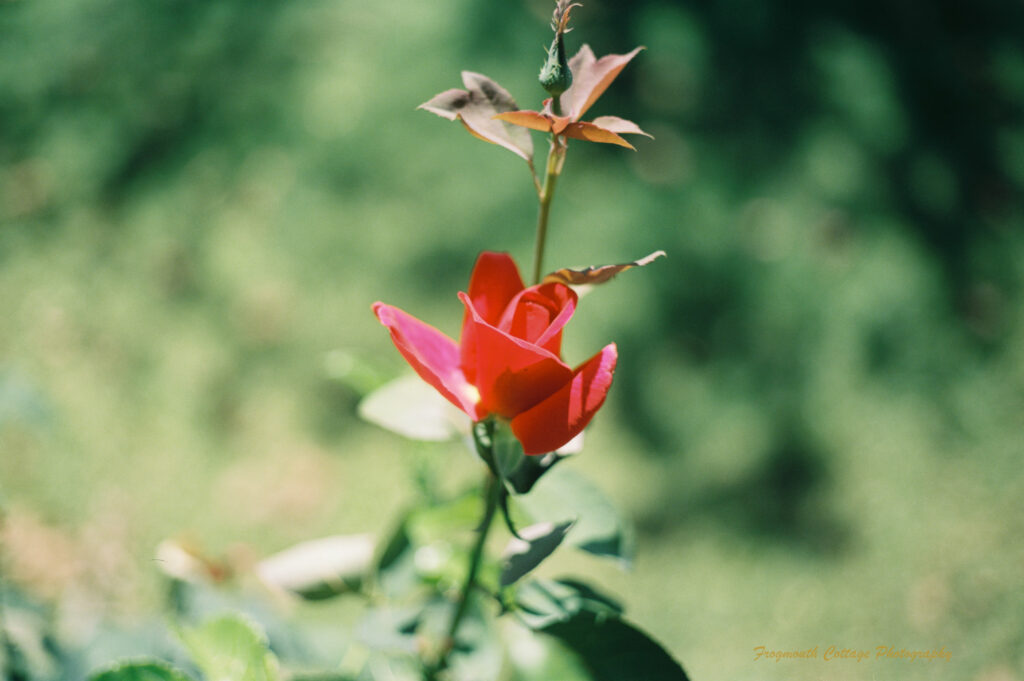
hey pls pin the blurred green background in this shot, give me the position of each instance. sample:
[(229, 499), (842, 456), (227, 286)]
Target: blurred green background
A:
[(818, 411)]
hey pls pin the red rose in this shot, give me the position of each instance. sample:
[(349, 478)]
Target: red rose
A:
[(508, 362)]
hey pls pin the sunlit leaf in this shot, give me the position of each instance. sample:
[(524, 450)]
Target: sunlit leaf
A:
[(598, 274), (144, 670), (476, 107), (619, 125), (320, 568), (542, 602), (590, 78), (613, 649), (535, 543), (411, 408), (527, 119), (230, 647), (594, 133), (563, 495)]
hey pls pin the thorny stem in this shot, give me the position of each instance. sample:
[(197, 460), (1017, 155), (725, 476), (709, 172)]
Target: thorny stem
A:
[(492, 494), (556, 157)]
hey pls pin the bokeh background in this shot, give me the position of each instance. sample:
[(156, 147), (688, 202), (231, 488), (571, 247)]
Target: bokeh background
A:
[(817, 417)]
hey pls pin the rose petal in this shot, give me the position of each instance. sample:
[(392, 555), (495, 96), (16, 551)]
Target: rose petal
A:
[(511, 374), (495, 281), (538, 314), (433, 355), (493, 284), (563, 415)]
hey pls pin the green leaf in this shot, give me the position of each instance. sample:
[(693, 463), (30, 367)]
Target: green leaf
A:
[(389, 629), (230, 648), (443, 520), (478, 652), (320, 568), (519, 471), (143, 670), (508, 453), (542, 602), (562, 495), (396, 565), (612, 649), (413, 409), (530, 470), (28, 648), (535, 543)]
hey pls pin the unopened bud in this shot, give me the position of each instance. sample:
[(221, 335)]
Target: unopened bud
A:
[(555, 76)]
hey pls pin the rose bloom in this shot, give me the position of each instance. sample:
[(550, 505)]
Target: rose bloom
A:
[(508, 363)]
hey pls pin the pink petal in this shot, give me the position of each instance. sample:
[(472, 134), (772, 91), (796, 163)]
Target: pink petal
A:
[(433, 355), (563, 415)]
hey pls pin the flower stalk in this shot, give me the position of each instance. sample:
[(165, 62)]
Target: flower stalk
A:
[(492, 496), (556, 159)]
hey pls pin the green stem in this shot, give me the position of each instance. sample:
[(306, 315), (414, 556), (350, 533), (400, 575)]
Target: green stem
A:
[(556, 157), (8, 662), (492, 495)]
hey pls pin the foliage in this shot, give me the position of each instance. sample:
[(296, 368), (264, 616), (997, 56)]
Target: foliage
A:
[(824, 379)]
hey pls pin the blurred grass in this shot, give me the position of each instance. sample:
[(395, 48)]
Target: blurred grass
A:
[(817, 415)]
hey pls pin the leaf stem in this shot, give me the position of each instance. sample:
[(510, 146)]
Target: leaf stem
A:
[(556, 157), (536, 179), (492, 496)]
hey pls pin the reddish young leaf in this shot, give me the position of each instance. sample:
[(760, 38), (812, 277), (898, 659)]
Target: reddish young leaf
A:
[(619, 125), (605, 129), (527, 119), (476, 107), (590, 78), (595, 133), (598, 275)]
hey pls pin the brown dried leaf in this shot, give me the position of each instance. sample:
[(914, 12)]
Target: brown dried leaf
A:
[(476, 107), (590, 78), (597, 275), (594, 133)]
